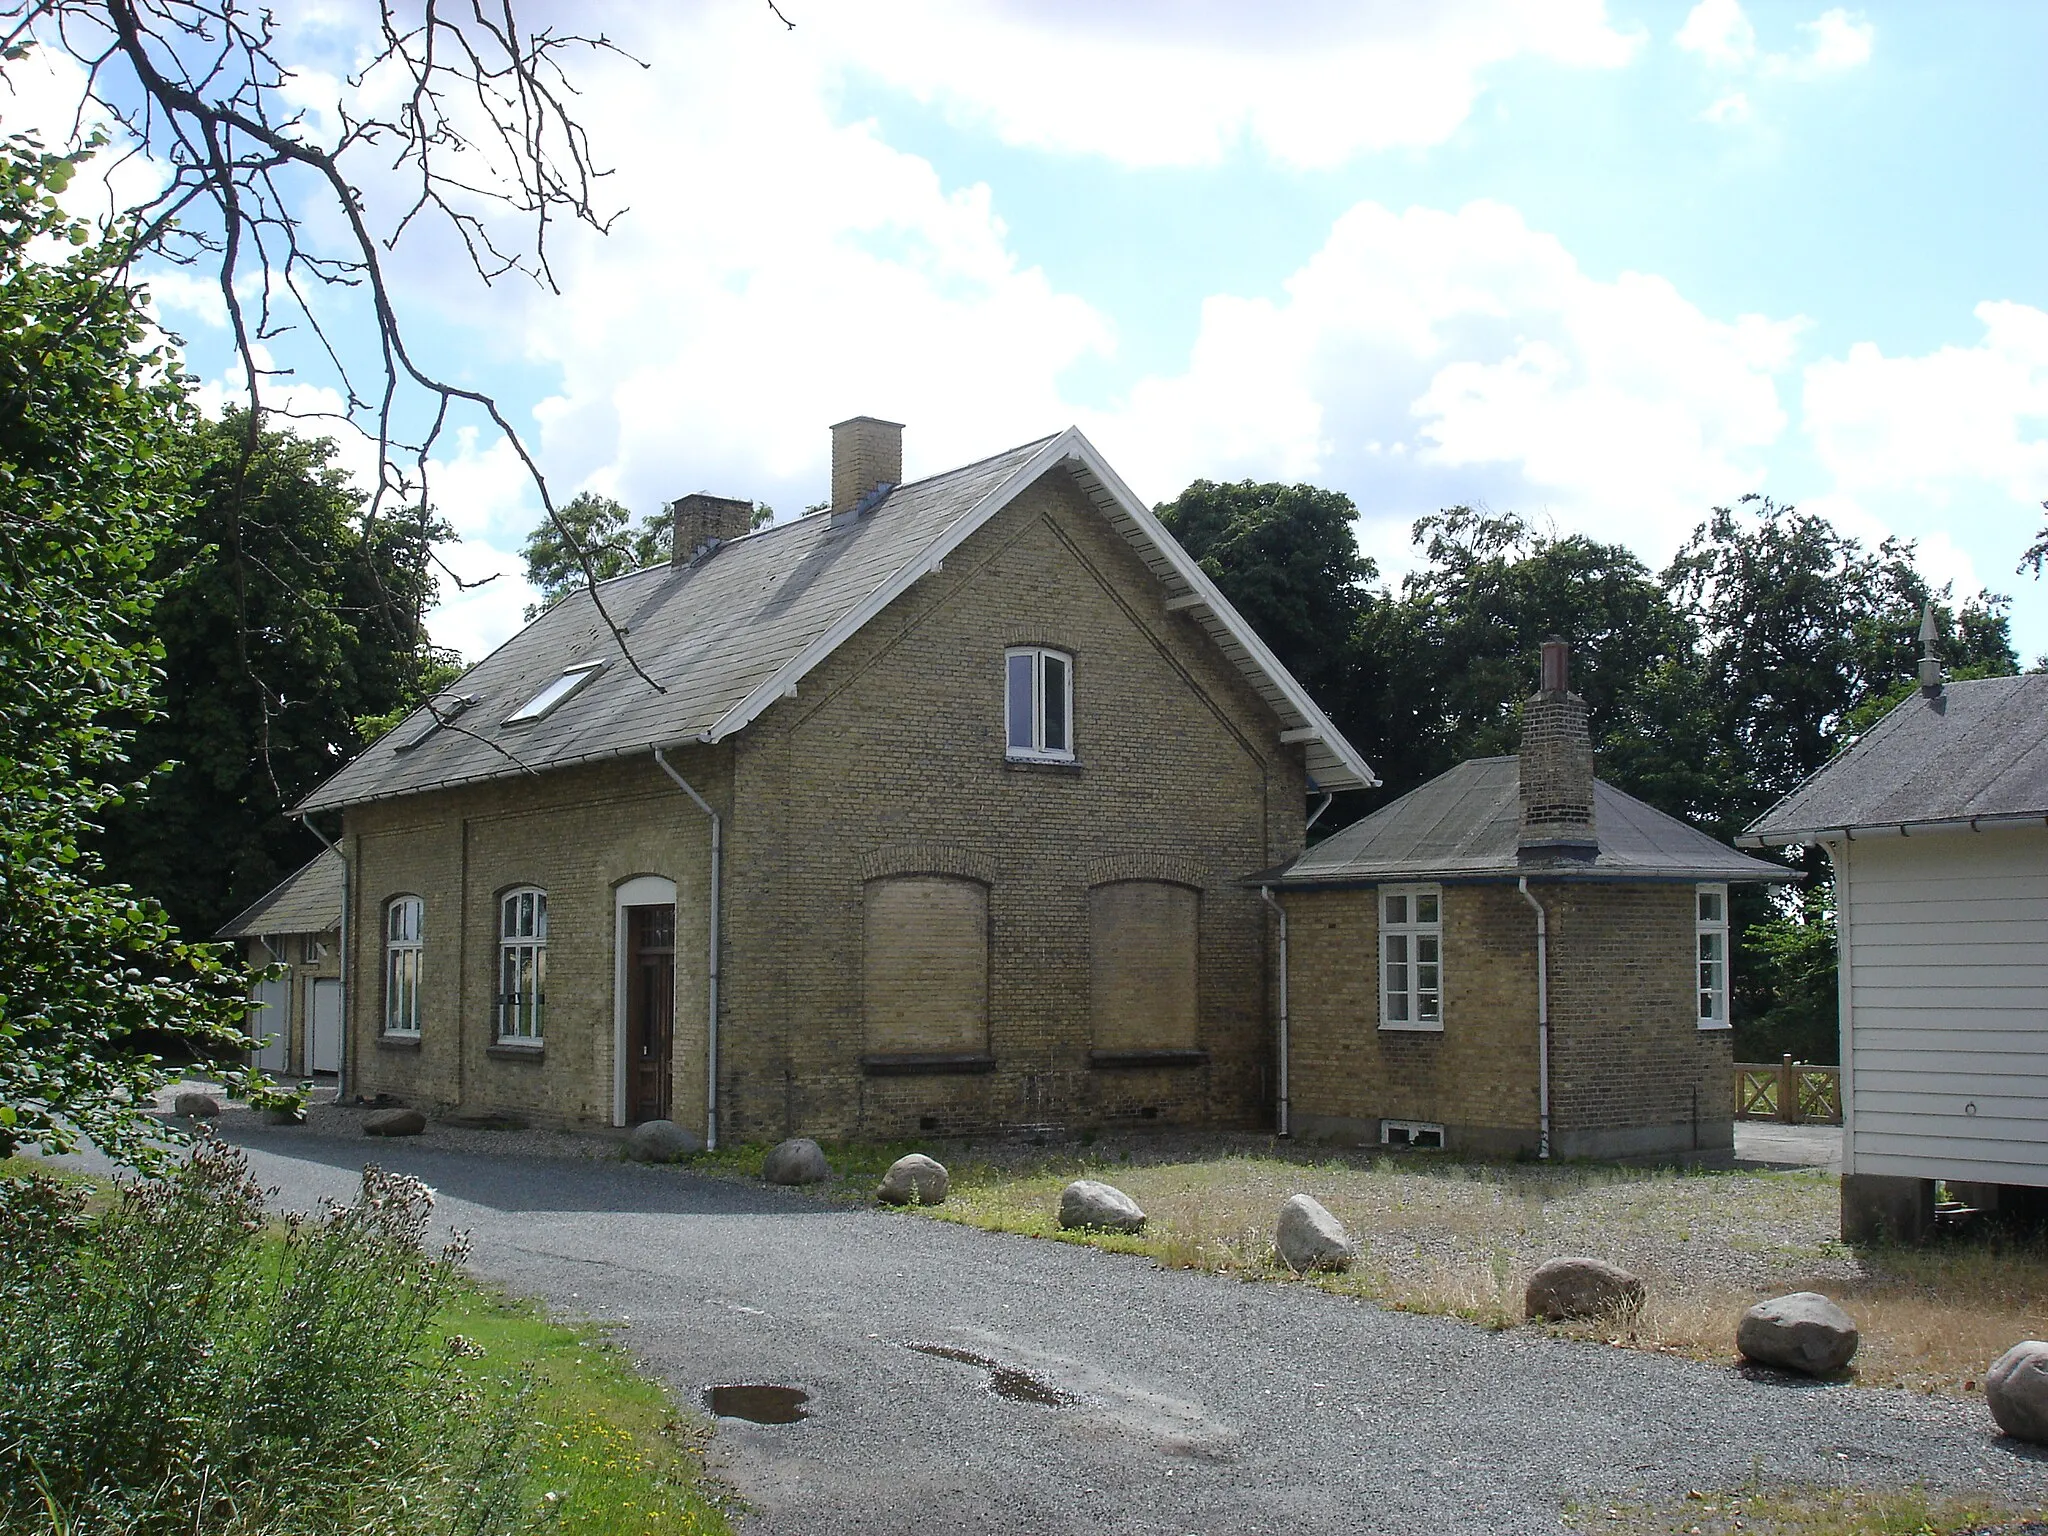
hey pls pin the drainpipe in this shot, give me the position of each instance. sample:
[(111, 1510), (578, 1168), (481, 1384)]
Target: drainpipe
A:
[(347, 1034), (711, 1023), (1322, 805), (1542, 1020), (1266, 895)]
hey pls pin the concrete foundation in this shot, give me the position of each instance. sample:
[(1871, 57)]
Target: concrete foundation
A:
[(1881, 1208)]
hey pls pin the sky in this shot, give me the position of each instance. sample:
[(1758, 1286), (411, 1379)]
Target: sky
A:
[(1602, 265)]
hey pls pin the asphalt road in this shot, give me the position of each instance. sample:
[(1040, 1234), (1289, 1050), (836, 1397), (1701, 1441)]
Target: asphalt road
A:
[(1195, 1404)]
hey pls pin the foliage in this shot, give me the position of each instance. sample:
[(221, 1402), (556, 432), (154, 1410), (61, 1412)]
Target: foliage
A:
[(611, 542), (1786, 991), (93, 472), (288, 615)]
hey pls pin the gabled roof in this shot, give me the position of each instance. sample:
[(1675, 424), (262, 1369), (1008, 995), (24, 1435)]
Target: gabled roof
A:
[(730, 636), (1464, 825), (308, 900), (1976, 752)]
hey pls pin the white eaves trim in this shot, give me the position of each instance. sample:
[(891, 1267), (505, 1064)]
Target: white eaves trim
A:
[(1335, 763)]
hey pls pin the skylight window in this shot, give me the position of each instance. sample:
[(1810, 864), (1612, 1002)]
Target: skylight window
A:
[(555, 694), (439, 713)]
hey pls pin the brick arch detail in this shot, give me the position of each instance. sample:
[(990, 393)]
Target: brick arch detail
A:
[(1144, 866), (927, 858)]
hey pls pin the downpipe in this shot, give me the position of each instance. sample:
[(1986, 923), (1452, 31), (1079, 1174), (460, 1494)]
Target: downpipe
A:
[(717, 882), (1542, 1019), (1281, 1109)]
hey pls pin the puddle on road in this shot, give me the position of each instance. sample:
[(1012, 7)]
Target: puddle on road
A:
[(1003, 1380), (758, 1402)]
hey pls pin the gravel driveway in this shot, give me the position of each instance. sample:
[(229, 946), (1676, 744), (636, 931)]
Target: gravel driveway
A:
[(1194, 1404)]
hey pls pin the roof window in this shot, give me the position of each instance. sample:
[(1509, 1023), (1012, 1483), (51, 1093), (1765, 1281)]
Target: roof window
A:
[(439, 713), (555, 694)]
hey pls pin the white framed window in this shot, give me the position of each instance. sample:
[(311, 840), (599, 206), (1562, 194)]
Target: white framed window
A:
[(312, 949), (1710, 926), (1411, 1133), (522, 964), (1038, 710), (556, 694), (1411, 957), (403, 951)]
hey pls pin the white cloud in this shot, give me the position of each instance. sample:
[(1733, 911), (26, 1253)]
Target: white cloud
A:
[(1838, 40), (1719, 32), (1311, 85), (1428, 358), (1732, 108)]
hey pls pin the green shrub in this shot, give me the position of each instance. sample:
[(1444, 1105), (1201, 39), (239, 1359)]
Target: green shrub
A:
[(178, 1362)]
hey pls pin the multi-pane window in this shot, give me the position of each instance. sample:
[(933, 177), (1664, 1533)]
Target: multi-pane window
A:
[(1411, 957), (1711, 927), (1039, 702), (402, 954), (522, 964)]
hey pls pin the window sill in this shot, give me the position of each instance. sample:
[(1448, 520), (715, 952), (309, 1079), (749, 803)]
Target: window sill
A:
[(926, 1063), (516, 1050), (1714, 1029), (1411, 1029), (1154, 1058), (398, 1042), (1064, 767)]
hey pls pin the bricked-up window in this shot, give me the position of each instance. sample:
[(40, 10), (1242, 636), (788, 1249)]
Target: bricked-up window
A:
[(1712, 927), (924, 965), (522, 964), (1411, 957), (403, 951), (1143, 965), (1039, 704)]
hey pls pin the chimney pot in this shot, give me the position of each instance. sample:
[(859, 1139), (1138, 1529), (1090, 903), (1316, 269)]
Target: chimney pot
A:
[(702, 519), (867, 454), (1556, 766)]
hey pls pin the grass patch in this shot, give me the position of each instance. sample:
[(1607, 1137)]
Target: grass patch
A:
[(1807, 1512), (1455, 1238), (606, 1452)]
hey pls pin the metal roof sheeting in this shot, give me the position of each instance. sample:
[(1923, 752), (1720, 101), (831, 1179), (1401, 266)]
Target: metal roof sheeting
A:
[(1465, 824), (728, 637), (306, 901), (1977, 751)]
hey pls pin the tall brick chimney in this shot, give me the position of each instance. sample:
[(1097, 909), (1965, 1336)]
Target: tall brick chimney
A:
[(867, 454), (701, 517), (1557, 765)]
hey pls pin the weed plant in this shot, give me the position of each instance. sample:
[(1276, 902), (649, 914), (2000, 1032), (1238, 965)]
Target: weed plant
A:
[(176, 1362)]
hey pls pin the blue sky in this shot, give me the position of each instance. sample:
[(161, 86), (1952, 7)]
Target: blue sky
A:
[(1601, 265)]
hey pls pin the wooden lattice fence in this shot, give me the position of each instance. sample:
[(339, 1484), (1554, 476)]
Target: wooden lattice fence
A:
[(1788, 1091)]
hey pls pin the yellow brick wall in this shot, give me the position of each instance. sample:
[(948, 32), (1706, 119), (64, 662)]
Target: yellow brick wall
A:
[(1627, 1055), (889, 760), (259, 956)]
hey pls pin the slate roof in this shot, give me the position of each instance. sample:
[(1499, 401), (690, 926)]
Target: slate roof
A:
[(1464, 825), (730, 636), (306, 901), (1975, 752)]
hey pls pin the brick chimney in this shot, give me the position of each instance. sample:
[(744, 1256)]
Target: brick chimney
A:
[(701, 518), (867, 455), (1557, 765)]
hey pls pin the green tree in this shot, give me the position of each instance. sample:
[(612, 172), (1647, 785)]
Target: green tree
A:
[(613, 543), (94, 470), (291, 625)]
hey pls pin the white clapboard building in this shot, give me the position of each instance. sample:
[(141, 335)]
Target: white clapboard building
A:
[(1937, 825)]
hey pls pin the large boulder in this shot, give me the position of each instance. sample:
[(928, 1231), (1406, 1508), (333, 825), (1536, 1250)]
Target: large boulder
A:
[(914, 1180), (1564, 1289), (1309, 1237), (394, 1122), (661, 1141), (196, 1106), (1803, 1332), (1087, 1203), (2016, 1388), (799, 1160)]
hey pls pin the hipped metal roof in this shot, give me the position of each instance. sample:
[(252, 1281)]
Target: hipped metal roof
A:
[(1465, 825), (306, 901), (730, 636), (1974, 754)]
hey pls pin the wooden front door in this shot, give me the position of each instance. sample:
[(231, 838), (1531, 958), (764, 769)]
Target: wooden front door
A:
[(650, 1008)]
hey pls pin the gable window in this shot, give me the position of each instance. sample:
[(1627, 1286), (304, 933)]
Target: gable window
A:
[(1411, 957), (556, 694), (402, 955), (522, 964), (1711, 926), (1039, 702)]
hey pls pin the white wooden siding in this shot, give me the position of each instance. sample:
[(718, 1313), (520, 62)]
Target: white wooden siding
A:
[(1947, 1023)]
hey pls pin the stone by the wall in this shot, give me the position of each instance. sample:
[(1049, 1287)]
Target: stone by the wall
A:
[(799, 1160), (1567, 1288), (1307, 1236), (1088, 1203), (1803, 1332), (662, 1141), (915, 1179), (196, 1106), (2016, 1390), (394, 1122)]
